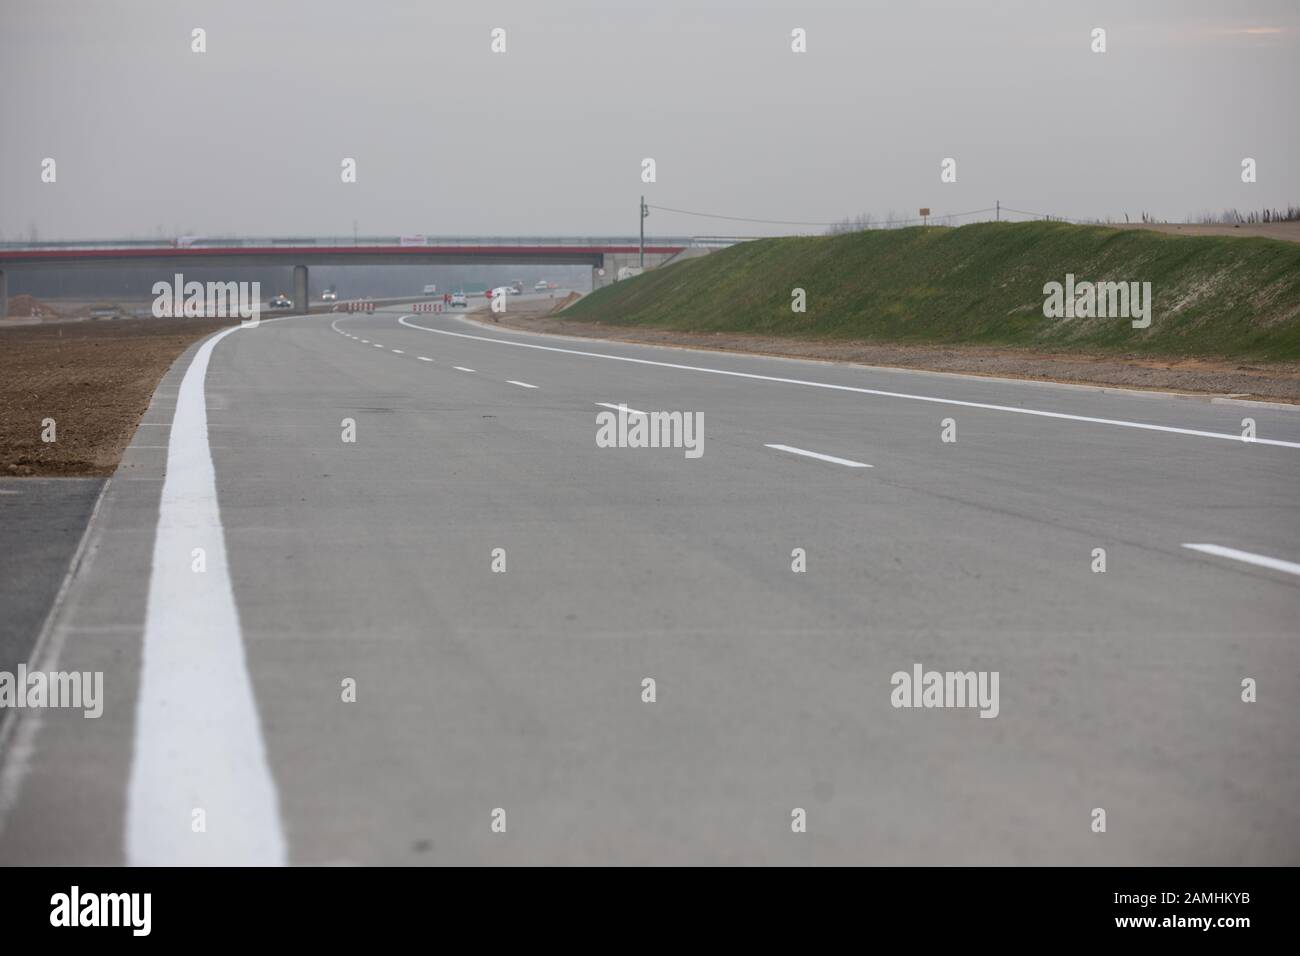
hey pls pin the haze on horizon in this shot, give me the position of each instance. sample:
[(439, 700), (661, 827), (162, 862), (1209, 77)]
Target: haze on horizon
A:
[(151, 139)]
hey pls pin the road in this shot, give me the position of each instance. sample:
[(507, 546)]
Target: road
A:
[(480, 690)]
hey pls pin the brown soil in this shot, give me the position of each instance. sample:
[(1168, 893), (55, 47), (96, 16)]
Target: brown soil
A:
[(94, 379), (23, 306), (1275, 382), (1288, 231)]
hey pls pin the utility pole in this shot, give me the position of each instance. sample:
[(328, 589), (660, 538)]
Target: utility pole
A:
[(645, 211), (999, 219)]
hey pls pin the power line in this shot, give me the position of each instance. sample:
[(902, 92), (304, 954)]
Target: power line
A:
[(1042, 215), (773, 222), (795, 222)]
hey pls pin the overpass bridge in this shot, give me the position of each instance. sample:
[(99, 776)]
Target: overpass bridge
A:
[(605, 254)]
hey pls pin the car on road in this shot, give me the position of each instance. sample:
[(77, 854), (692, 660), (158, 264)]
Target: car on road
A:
[(458, 299), (430, 289), (541, 286), (329, 295), (281, 301)]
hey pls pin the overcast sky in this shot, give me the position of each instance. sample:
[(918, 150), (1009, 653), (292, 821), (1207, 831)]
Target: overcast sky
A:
[(548, 138)]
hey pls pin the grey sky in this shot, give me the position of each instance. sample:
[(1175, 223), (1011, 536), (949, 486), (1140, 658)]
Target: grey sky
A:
[(548, 138)]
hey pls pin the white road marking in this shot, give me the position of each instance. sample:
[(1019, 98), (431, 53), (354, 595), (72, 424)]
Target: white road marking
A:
[(378, 346), (461, 368), (398, 352), (198, 740), (1277, 564), (424, 358), (1169, 429), (819, 455), (365, 341), (511, 381), (630, 411)]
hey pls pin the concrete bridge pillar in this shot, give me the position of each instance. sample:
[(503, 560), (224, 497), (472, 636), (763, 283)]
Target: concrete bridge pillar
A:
[(599, 281), (4, 295), (612, 262), (300, 302)]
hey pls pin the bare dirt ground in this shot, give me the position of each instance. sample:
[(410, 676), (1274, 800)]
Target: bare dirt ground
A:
[(1275, 382), (94, 379), (28, 307), (1286, 231)]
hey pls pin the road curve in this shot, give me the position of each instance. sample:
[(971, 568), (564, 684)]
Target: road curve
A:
[(515, 697)]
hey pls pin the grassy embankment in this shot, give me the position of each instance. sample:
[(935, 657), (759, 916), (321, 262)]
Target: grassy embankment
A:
[(979, 284)]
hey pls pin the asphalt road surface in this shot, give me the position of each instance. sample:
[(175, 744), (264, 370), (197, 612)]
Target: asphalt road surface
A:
[(42, 521), (249, 569)]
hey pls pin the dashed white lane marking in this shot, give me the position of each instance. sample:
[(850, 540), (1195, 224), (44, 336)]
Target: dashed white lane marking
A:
[(398, 352), (365, 341), (424, 358), (1277, 564), (630, 411), (461, 368), (511, 381), (1169, 429), (198, 740), (378, 345), (819, 455)]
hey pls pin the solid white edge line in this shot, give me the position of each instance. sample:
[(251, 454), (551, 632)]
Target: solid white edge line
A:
[(198, 739), (818, 455), (1263, 560), (1206, 397), (1168, 429)]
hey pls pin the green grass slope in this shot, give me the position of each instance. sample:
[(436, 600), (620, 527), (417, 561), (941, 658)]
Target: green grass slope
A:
[(979, 284)]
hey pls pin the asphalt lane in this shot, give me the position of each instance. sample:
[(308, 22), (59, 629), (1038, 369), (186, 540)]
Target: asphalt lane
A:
[(41, 524), (477, 690)]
